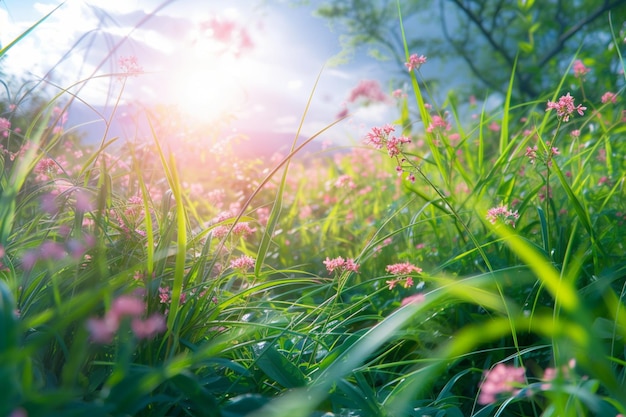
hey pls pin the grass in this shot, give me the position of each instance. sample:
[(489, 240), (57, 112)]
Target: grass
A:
[(541, 286)]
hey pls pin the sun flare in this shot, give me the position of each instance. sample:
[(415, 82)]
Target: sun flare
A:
[(208, 93), (210, 83)]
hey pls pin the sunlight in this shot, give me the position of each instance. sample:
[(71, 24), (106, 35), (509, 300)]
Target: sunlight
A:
[(208, 93), (211, 82)]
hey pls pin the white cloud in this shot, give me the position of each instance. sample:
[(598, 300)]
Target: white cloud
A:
[(125, 6), (277, 76)]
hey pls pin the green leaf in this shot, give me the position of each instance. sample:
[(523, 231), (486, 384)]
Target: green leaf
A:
[(206, 404), (9, 381), (276, 366), (26, 32), (243, 405), (525, 47)]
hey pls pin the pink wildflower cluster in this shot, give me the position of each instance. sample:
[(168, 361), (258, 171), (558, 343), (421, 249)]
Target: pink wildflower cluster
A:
[(415, 62), (46, 169), (5, 125), (609, 97), (232, 38), (216, 197), (382, 136), (129, 65), (103, 330), (369, 90), (135, 208), (51, 250), (565, 107), (398, 93), (404, 268), (345, 181), (503, 213), (552, 151), (242, 263), (550, 374), (165, 295), (241, 229), (438, 122), (580, 70), (339, 264), (415, 298), (502, 379), (402, 271)]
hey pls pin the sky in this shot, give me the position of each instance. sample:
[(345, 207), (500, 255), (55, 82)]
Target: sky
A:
[(257, 61)]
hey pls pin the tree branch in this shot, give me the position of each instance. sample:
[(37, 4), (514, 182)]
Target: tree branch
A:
[(496, 46), (460, 50), (576, 28)]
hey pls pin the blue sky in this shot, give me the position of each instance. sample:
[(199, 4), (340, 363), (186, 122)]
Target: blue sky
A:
[(266, 86)]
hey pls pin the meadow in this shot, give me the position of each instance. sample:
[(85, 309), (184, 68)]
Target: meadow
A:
[(440, 266)]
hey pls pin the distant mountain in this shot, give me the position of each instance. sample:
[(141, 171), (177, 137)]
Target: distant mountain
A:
[(91, 123)]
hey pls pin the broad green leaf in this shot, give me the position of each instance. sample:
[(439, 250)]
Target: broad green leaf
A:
[(278, 367)]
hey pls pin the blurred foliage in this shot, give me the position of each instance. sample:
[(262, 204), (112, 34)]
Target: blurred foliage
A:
[(488, 36)]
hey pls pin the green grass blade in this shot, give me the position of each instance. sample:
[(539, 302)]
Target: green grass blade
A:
[(28, 31), (504, 128)]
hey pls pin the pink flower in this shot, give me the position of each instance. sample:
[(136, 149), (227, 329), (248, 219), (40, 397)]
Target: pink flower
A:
[(339, 264), (608, 96), (334, 264), (243, 263), (580, 69), (164, 295), (369, 90), (5, 125), (531, 153), (394, 144), (102, 330), (129, 65), (398, 93), (378, 135), (345, 181), (148, 328), (342, 113), (503, 213), (438, 122), (392, 283), (415, 62), (47, 166), (83, 201), (415, 298), (243, 229), (565, 107), (126, 305), (550, 374), (502, 379), (29, 259), (603, 180), (52, 250), (404, 268), (351, 265)]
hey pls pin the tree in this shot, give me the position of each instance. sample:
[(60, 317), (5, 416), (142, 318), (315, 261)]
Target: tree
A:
[(538, 39)]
